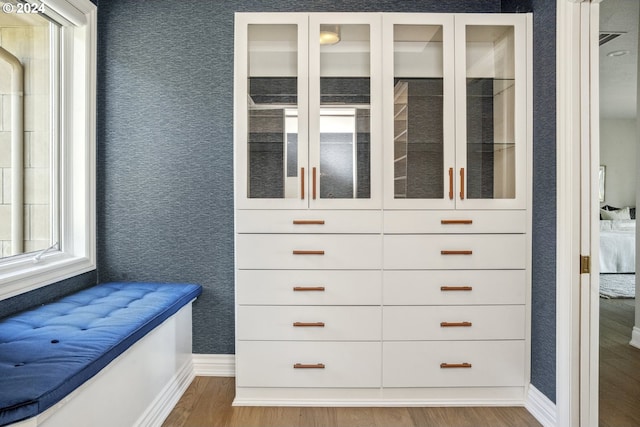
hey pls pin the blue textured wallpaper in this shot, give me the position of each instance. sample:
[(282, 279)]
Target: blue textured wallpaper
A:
[(165, 151), (543, 333), (46, 294)]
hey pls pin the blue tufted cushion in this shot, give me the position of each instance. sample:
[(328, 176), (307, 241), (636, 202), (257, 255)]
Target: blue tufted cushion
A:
[(46, 352)]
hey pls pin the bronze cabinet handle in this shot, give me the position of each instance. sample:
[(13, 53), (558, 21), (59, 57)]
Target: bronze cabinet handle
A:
[(308, 221), (308, 288), (302, 183), (309, 324), (450, 183), (313, 183), (456, 221), (307, 366), (465, 252), (455, 324), (305, 252), (455, 365), (461, 183), (456, 288)]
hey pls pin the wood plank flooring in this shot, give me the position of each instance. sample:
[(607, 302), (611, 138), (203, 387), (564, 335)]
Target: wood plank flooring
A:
[(619, 365), (207, 402)]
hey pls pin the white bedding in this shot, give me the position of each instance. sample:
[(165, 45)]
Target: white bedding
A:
[(618, 246)]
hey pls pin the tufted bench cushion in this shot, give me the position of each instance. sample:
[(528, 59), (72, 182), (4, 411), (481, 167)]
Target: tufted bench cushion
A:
[(46, 352)]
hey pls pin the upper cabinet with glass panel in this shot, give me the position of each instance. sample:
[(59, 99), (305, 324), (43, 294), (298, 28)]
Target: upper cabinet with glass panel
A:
[(307, 111), (455, 113), (491, 101)]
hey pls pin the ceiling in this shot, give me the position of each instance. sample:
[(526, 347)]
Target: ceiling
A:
[(618, 74)]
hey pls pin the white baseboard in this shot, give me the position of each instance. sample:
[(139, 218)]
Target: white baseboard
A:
[(541, 407), (161, 407), (635, 337), (214, 365)]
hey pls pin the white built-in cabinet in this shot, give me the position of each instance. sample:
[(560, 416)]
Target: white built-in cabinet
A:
[(382, 208)]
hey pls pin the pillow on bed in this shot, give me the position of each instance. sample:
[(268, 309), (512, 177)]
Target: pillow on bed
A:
[(623, 213)]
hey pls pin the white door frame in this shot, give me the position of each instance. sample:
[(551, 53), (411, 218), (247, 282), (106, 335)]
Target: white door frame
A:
[(577, 309)]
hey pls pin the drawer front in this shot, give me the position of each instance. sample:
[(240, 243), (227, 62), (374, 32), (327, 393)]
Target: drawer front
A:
[(324, 364), (308, 323), (454, 287), (453, 323), (316, 287), (308, 221), (308, 251), (465, 222), (419, 364), (456, 251)]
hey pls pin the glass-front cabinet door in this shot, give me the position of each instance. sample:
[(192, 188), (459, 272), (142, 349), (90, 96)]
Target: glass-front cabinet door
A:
[(419, 151), (491, 130), (344, 111), (455, 124), (270, 112), (307, 111)]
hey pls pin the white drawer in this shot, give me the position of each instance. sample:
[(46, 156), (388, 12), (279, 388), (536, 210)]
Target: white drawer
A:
[(308, 221), (466, 222), (455, 251), (309, 323), (308, 251), (271, 364), (499, 322), (454, 287), (308, 287), (418, 364)]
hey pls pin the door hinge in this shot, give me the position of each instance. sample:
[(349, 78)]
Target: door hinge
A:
[(585, 264)]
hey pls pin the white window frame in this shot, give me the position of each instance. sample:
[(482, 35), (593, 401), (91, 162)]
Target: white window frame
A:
[(76, 189)]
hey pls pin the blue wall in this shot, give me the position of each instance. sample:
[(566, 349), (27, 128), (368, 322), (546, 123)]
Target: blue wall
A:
[(165, 151)]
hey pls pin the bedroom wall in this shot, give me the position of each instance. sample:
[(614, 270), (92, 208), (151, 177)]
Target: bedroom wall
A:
[(618, 147), (165, 151)]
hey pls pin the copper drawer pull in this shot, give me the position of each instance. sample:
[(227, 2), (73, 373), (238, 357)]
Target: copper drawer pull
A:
[(454, 324), (302, 183), (308, 221), (455, 365), (450, 183), (313, 184), (302, 252), (309, 324), (456, 288), (305, 366), (308, 288), (461, 183), (456, 221), (456, 252)]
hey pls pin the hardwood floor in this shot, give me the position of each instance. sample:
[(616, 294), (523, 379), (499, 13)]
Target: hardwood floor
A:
[(207, 403), (619, 365)]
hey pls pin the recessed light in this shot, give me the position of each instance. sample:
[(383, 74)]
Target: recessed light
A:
[(618, 53)]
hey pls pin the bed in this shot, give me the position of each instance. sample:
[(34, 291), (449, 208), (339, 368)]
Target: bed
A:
[(617, 241)]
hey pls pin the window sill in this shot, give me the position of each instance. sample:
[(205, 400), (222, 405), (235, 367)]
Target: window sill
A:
[(26, 275)]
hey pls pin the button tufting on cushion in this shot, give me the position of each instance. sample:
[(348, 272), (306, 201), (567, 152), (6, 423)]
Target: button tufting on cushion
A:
[(91, 329)]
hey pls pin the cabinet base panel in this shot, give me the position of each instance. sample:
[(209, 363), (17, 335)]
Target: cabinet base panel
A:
[(388, 397)]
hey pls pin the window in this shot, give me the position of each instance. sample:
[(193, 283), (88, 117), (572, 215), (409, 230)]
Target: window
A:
[(47, 142)]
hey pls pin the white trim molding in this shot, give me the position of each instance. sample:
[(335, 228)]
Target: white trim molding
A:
[(577, 160), (214, 365), (635, 337), (541, 407), (164, 403)]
